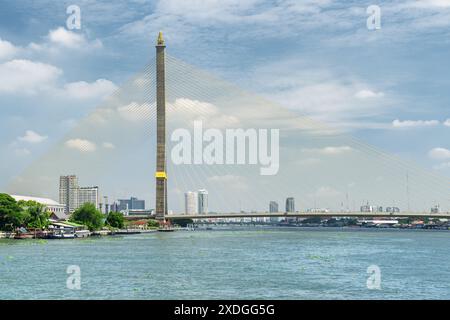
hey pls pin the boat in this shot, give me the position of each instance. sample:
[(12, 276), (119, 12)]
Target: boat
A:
[(23, 236), (84, 233), (23, 233), (128, 231), (166, 229), (67, 230), (61, 235)]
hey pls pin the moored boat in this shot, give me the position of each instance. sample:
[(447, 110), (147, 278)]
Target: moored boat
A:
[(23, 233), (166, 229), (61, 236), (23, 236), (84, 233)]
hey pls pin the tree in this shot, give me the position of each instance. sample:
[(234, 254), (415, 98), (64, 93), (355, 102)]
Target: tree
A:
[(11, 214), (88, 215), (37, 214), (153, 224), (115, 220)]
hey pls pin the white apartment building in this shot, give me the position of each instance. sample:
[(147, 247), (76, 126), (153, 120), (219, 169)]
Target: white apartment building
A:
[(88, 195), (190, 202), (72, 196)]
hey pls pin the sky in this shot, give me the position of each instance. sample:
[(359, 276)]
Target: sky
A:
[(387, 87)]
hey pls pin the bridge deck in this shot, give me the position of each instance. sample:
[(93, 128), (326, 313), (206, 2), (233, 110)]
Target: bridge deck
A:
[(300, 215)]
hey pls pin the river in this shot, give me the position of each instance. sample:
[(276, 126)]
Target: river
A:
[(232, 264)]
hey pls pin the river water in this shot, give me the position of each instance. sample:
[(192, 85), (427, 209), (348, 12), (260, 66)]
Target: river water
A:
[(232, 264)]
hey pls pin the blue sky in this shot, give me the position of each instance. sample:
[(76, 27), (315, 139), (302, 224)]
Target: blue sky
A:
[(387, 87)]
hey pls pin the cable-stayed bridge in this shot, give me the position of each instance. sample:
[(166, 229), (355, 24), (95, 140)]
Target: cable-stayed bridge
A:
[(161, 212), (124, 146)]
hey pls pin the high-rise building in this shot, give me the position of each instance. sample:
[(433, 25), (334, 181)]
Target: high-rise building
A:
[(290, 204), (202, 201), (273, 207), (131, 204), (369, 208), (435, 209), (88, 195), (114, 207), (190, 202), (72, 196), (68, 192)]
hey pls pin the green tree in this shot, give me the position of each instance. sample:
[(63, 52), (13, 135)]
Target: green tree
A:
[(89, 216), (11, 214), (37, 214), (153, 224), (115, 220)]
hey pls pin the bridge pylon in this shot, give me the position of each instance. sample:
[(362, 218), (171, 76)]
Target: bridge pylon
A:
[(161, 174)]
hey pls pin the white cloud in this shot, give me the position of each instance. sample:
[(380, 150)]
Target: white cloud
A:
[(85, 90), (25, 76), (136, 112), (329, 150), (181, 17), (367, 94), (81, 145), (414, 123), (32, 137), (101, 116), (439, 154), (430, 3), (186, 19), (28, 77), (7, 50), (447, 123), (319, 93), (184, 110), (142, 82), (108, 145), (71, 40)]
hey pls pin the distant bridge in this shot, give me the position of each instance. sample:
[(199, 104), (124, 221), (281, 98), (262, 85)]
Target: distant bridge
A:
[(296, 215)]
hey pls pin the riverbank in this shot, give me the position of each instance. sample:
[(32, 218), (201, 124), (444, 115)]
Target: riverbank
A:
[(47, 234), (228, 227)]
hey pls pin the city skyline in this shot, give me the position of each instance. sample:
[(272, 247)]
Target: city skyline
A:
[(319, 163)]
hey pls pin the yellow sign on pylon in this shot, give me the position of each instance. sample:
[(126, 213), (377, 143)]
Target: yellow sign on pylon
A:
[(161, 174)]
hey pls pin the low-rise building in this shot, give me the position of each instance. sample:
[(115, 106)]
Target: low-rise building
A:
[(56, 209)]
